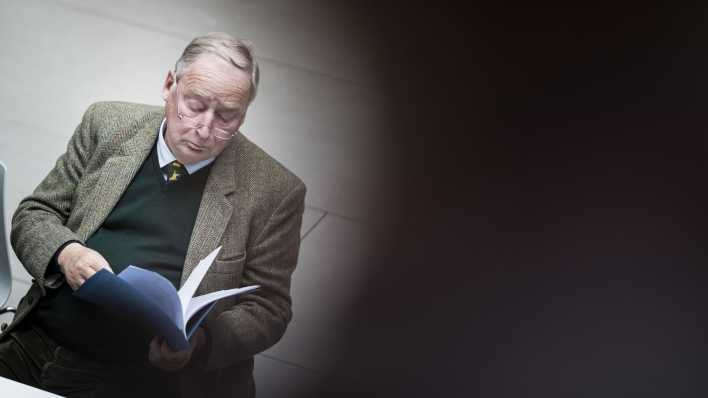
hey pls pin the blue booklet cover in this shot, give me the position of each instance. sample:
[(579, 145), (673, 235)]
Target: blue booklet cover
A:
[(167, 312)]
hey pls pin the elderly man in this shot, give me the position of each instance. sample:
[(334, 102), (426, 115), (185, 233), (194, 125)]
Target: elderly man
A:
[(161, 188)]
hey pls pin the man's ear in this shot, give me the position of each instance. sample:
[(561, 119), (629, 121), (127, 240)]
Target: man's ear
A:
[(169, 81)]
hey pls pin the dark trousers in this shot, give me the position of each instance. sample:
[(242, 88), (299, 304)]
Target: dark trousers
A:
[(29, 356)]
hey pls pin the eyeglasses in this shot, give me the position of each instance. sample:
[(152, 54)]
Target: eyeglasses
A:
[(191, 119)]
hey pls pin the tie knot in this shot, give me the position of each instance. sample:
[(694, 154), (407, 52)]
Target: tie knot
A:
[(174, 171)]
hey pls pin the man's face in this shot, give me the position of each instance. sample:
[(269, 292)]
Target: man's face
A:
[(211, 95)]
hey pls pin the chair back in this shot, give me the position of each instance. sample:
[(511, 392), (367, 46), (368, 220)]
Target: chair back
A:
[(5, 271)]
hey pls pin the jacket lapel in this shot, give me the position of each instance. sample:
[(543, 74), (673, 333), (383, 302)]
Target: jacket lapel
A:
[(215, 209), (119, 170)]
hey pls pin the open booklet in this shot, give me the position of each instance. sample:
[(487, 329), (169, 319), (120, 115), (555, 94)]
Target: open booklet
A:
[(152, 300)]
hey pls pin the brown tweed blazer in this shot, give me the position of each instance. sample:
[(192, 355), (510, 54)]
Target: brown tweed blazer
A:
[(251, 205)]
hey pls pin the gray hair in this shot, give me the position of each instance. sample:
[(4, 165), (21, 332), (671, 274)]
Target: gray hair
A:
[(237, 52)]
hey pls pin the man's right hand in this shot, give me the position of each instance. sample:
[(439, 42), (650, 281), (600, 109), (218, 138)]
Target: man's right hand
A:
[(78, 263)]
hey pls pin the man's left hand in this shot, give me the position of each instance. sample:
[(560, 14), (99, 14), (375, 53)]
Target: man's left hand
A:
[(161, 355)]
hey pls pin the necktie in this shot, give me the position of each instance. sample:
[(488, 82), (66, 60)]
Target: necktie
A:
[(174, 171)]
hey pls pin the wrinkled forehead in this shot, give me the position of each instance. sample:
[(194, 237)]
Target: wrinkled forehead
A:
[(213, 79)]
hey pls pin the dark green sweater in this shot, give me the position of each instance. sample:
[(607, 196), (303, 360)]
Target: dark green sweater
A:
[(150, 227)]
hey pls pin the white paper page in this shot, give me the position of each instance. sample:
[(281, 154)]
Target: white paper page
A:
[(198, 303), (192, 283), (14, 389)]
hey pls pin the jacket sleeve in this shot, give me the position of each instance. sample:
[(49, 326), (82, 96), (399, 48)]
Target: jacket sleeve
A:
[(259, 319), (38, 225)]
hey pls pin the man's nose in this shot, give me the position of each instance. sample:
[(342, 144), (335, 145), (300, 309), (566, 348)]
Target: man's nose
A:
[(207, 121)]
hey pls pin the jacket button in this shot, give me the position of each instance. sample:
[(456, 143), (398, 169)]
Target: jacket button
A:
[(3, 327)]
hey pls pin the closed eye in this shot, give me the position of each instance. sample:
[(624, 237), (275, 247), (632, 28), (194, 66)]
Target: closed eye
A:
[(196, 106), (227, 117)]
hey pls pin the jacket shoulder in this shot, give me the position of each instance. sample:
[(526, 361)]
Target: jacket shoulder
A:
[(266, 172), (116, 114)]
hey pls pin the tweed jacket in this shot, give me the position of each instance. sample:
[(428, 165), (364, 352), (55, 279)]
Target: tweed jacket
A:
[(251, 205)]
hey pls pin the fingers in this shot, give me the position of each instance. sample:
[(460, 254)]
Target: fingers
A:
[(162, 357), (173, 356), (75, 283), (86, 272), (78, 276), (154, 353), (81, 263), (198, 339), (93, 266), (96, 261)]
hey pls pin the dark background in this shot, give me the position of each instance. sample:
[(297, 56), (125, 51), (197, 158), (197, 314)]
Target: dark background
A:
[(547, 229)]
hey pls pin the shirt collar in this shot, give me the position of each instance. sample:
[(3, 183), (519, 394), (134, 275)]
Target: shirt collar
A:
[(165, 155)]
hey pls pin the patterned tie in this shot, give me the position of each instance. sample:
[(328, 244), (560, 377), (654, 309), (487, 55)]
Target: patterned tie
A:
[(174, 171)]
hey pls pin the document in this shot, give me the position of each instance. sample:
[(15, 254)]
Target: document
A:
[(167, 312)]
